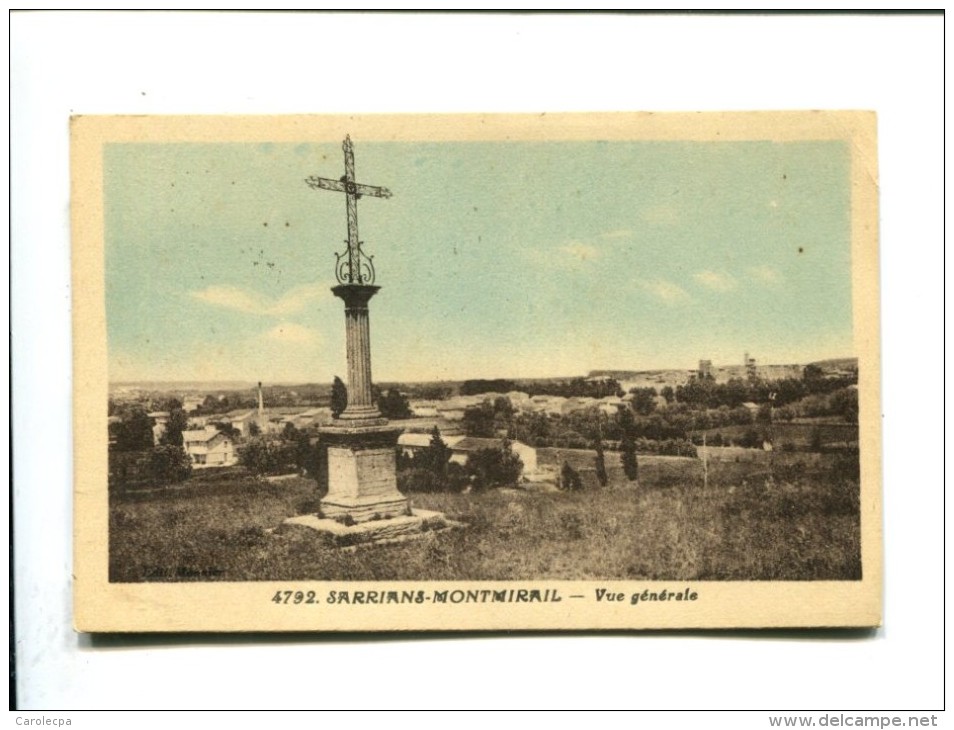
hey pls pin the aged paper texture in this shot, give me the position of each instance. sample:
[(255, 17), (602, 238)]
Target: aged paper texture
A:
[(476, 372)]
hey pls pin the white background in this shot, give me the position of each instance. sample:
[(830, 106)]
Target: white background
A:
[(63, 64)]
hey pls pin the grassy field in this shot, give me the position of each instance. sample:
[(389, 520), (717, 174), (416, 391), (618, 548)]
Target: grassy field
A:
[(797, 434), (754, 522)]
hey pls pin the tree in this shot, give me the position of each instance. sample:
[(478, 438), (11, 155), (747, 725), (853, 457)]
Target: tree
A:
[(812, 373), (339, 397), (494, 467), (569, 479), (394, 405), (630, 462), (134, 432), (169, 464), (290, 433), (531, 428), (601, 476), (437, 455), (734, 393), (268, 457), (627, 446), (668, 393), (307, 456), (479, 420), (475, 387), (644, 400), (784, 413), (845, 403), (503, 408), (254, 456), (177, 423), (227, 429), (751, 439), (764, 414)]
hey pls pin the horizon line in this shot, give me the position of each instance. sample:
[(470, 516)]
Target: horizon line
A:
[(253, 382)]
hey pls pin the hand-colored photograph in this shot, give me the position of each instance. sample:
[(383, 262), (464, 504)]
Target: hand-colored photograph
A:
[(436, 364)]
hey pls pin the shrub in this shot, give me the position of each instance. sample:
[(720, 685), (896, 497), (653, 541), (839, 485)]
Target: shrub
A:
[(420, 480), (601, 475), (494, 467), (169, 464), (261, 456), (457, 477), (751, 439), (627, 446), (436, 456), (569, 479), (431, 470)]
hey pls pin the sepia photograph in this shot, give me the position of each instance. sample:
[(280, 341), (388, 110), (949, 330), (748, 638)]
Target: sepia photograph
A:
[(568, 371)]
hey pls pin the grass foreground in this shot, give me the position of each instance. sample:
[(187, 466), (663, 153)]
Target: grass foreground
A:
[(752, 522)]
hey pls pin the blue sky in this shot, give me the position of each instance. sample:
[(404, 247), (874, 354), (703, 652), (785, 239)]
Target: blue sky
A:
[(496, 259)]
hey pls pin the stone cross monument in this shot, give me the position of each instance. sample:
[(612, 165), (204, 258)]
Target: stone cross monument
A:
[(363, 503), (362, 474)]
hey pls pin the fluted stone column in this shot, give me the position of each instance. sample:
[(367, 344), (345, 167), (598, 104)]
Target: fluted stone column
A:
[(358, 347), (362, 474)]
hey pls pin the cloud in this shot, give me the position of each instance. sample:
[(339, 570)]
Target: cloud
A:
[(291, 333), (621, 233), (250, 302), (580, 250), (661, 215), (765, 275), (666, 291), (714, 280)]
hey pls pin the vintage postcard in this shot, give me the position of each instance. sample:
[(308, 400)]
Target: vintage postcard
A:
[(476, 372)]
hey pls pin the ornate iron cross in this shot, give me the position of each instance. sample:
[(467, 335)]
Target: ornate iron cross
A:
[(352, 266)]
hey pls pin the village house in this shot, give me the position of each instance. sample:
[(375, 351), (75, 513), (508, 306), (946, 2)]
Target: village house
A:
[(424, 409), (462, 447), (241, 420), (572, 405), (552, 405), (208, 447), (412, 444), (313, 416), (611, 404), (518, 398)]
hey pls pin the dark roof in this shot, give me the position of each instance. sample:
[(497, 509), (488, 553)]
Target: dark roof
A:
[(475, 443)]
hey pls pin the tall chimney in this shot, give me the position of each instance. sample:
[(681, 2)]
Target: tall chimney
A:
[(261, 408)]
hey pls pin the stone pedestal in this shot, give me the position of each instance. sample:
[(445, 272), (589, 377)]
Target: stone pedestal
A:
[(362, 473)]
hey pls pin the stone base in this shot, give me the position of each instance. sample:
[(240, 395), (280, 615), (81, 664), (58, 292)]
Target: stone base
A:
[(363, 509), (396, 529), (362, 474)]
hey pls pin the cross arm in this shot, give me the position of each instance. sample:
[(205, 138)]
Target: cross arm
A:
[(325, 183), (342, 186), (372, 190)]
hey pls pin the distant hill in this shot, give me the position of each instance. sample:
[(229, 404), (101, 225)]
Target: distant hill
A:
[(837, 363), (673, 377), (181, 385)]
